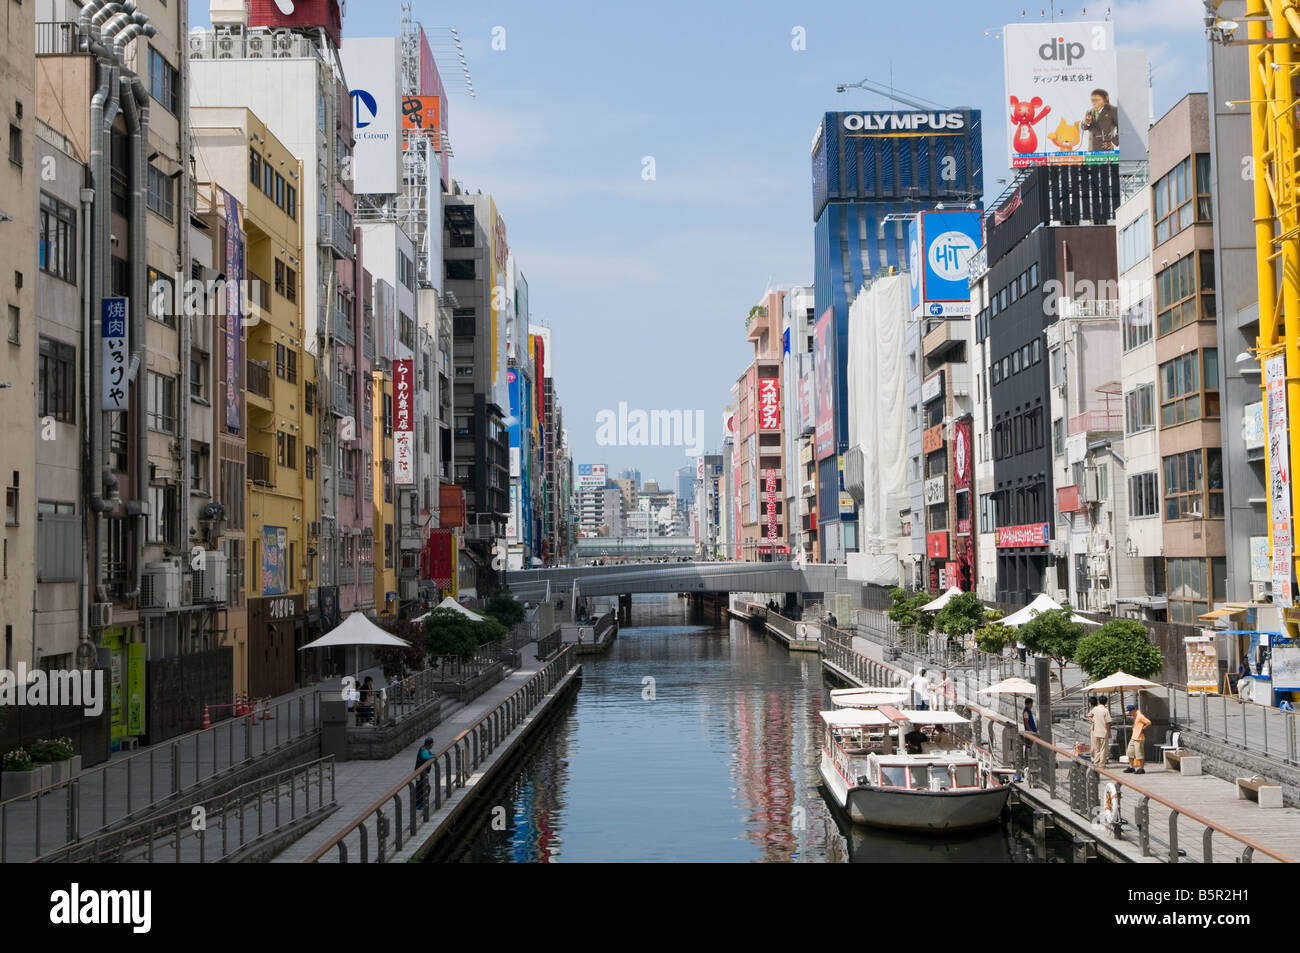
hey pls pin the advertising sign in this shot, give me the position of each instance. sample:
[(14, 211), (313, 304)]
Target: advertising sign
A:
[(234, 314), (932, 439), (421, 115), (941, 247), (936, 545), (1252, 425), (769, 403), (846, 504), (135, 694), (936, 491), (932, 387), (591, 476), (1034, 534), (1260, 569), (824, 368), (275, 558), (327, 14), (1279, 478), (371, 64), (1061, 81), (769, 488), (113, 363), (1202, 662), (404, 422), (962, 454)]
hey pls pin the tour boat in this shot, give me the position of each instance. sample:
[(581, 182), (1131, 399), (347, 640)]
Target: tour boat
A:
[(941, 790)]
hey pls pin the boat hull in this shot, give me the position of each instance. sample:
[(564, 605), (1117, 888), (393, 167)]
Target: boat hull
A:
[(926, 811)]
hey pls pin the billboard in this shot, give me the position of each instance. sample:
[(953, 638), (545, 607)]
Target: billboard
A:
[(940, 247), (275, 558), (824, 369), (1279, 478), (591, 476), (962, 454), (302, 14), (113, 362), (234, 314), (1033, 534), (1062, 82), (371, 64), (404, 422), (769, 403)]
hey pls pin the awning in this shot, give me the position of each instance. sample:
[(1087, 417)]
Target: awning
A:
[(854, 718), (1217, 614)]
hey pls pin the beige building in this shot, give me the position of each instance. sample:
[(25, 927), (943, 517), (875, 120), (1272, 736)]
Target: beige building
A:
[(19, 177), (760, 440)]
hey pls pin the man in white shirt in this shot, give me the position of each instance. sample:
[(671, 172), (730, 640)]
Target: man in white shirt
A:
[(1100, 718), (920, 690)]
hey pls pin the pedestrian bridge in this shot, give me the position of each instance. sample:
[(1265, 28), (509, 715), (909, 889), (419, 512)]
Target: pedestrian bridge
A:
[(631, 578)]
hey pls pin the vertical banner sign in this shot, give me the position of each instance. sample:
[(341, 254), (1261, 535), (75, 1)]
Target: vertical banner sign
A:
[(403, 432), (112, 372), (1279, 478), (769, 403), (770, 488), (234, 312), (961, 454)]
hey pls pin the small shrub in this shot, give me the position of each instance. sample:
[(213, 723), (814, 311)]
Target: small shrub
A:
[(59, 749), (17, 760)]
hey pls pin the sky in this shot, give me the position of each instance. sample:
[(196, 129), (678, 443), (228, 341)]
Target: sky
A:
[(646, 282)]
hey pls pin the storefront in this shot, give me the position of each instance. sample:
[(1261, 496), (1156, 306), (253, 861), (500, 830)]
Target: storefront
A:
[(277, 628), (124, 661)]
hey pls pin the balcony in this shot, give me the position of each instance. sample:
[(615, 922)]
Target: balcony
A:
[(342, 330), (1089, 310), (257, 378), (347, 486), (55, 38), (1097, 421), (344, 405), (943, 335), (334, 235), (259, 469)]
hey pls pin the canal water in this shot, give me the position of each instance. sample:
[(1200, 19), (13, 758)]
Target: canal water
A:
[(691, 743)]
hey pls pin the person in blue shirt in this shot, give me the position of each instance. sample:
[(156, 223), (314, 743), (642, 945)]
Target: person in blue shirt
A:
[(422, 756)]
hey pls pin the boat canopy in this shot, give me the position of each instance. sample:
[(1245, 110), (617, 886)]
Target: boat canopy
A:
[(923, 717), (855, 718), (862, 698)]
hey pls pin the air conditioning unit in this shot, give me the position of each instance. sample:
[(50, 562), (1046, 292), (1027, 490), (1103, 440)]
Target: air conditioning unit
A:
[(313, 528), (199, 48), (101, 615), (226, 46), (211, 582), (1259, 591), (258, 46), (160, 585), (283, 43)]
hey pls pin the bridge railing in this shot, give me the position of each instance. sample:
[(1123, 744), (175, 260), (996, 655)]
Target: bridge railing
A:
[(408, 806)]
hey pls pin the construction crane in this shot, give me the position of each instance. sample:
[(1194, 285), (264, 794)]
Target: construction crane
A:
[(914, 102)]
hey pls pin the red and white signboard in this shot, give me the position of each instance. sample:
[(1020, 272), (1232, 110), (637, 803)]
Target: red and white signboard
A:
[(403, 422), (1279, 478), (769, 403), (1033, 534), (770, 487)]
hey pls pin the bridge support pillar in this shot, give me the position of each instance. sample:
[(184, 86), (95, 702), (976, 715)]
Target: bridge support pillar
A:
[(625, 609)]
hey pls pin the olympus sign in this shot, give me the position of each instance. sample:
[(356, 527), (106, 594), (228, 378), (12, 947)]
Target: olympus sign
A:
[(904, 122)]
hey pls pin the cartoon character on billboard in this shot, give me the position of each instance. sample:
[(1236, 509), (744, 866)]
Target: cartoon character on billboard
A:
[(1024, 116), (1066, 138), (1102, 123), (273, 567)]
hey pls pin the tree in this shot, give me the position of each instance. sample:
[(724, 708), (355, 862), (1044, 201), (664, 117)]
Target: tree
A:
[(452, 633), (961, 616), (906, 611), (1053, 634), (1120, 644), (399, 661), (505, 608), (993, 637)]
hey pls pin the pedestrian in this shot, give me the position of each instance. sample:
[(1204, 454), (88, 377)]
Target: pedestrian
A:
[(1137, 743), (1021, 650), (366, 705), (1100, 718), (1028, 727), (920, 691), (949, 689), (422, 785), (832, 621)]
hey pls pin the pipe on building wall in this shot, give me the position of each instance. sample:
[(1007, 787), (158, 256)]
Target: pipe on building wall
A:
[(139, 292)]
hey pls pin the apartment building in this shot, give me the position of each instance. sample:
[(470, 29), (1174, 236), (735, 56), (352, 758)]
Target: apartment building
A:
[(761, 444), (797, 319)]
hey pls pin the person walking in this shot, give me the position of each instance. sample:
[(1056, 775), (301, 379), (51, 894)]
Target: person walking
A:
[(422, 785), (1137, 743), (1028, 726), (920, 691), (948, 688), (1100, 719)]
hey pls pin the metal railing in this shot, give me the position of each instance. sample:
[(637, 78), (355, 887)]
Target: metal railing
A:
[(1259, 729), (230, 823), (409, 804), (106, 795), (1099, 421), (1067, 777), (55, 37), (548, 645), (257, 377), (259, 469), (347, 575)]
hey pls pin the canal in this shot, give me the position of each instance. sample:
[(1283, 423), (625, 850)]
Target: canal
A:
[(691, 743)]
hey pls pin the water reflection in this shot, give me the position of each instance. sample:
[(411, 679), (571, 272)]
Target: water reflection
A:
[(691, 743)]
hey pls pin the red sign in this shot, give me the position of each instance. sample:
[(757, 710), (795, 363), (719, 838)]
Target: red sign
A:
[(952, 574), (435, 558), (771, 505), (769, 403), (298, 14), (962, 456), (963, 527), (403, 392), (1034, 534), (936, 545), (932, 439)]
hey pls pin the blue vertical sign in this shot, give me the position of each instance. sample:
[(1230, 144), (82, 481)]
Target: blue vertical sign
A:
[(234, 315), (113, 382), (915, 265)]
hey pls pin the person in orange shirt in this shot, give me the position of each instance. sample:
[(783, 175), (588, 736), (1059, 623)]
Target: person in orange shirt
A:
[(1136, 744)]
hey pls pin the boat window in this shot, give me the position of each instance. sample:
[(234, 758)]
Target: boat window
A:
[(964, 776), (893, 776), (920, 778)]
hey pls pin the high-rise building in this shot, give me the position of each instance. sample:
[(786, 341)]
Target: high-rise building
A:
[(761, 441)]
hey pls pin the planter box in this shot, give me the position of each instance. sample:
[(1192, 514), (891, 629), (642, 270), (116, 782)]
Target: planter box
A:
[(19, 783), (64, 770)]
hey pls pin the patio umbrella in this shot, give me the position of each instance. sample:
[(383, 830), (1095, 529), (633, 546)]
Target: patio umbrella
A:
[(1044, 603), (1120, 681), (942, 601), (356, 630), (450, 603), (1010, 686)]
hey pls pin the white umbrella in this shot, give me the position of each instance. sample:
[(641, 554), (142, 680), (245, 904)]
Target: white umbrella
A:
[(942, 601), (356, 629), (1010, 686), (450, 603), (1044, 603), (1121, 681)]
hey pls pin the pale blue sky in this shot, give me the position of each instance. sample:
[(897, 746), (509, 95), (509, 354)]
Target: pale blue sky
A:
[(646, 284)]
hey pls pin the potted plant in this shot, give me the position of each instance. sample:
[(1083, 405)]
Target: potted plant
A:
[(59, 756), (19, 774)]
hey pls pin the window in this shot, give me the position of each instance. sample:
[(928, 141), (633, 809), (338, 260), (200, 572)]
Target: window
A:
[(1134, 242), (1182, 197), (290, 284), (988, 513), (997, 372), (1058, 437), (1139, 411), (268, 179), (1194, 485), (1176, 293), (255, 167), (309, 463), (458, 220), (1144, 494), (161, 414), (15, 145), (231, 492), (199, 467), (11, 501), (15, 325), (1185, 389), (1057, 356), (161, 521), (162, 193), (1015, 362), (164, 82), (58, 241), (279, 277), (56, 380), (1002, 299), (1033, 275), (279, 190), (162, 297), (1006, 368), (286, 450), (460, 270), (406, 330), (1192, 584), (1036, 351), (1137, 324), (286, 363), (197, 365)]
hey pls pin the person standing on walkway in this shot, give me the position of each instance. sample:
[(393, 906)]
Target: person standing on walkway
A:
[(422, 785), (948, 688), (1137, 743), (1028, 726), (920, 691), (1100, 718)]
